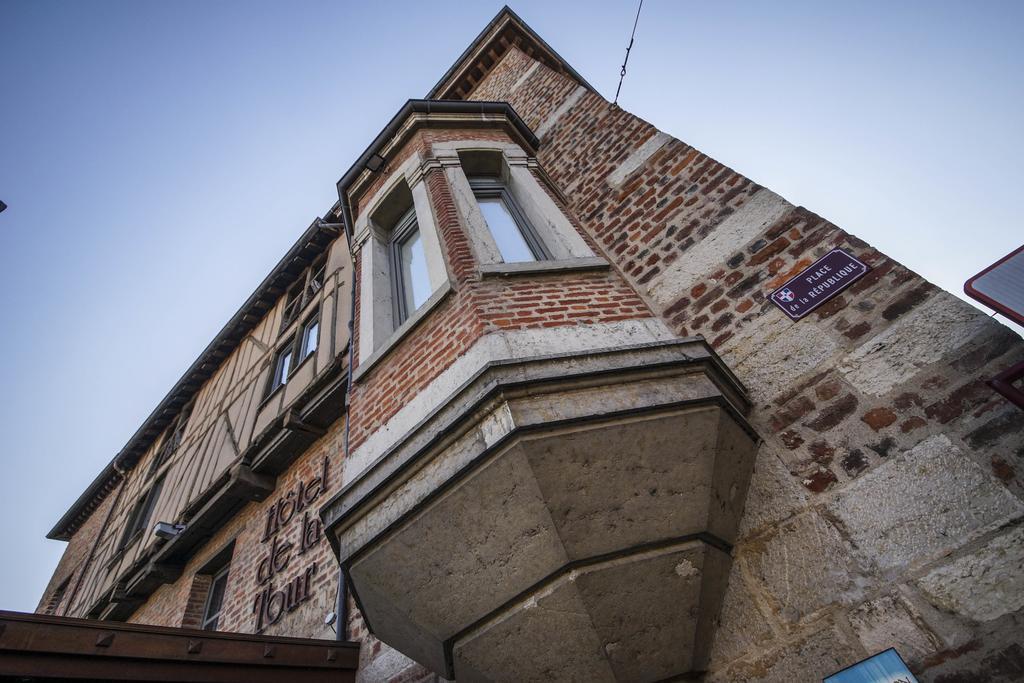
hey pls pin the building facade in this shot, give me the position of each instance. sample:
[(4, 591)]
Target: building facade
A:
[(524, 387)]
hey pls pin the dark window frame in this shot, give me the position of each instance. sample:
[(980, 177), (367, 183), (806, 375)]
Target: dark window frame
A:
[(56, 597), (295, 345), (142, 511), (173, 437), (404, 229), (495, 188), (302, 292)]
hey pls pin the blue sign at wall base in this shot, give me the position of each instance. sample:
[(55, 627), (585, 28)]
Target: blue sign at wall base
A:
[(885, 667)]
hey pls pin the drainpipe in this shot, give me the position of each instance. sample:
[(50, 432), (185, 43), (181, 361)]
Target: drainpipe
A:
[(92, 551), (341, 609)]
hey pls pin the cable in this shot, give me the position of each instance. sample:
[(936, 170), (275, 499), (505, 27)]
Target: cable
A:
[(622, 74)]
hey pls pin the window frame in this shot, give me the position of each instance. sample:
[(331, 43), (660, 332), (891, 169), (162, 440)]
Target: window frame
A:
[(494, 188), (204, 622), (406, 227), (304, 338), (141, 512), (303, 291), (174, 435), (56, 597), (295, 345), (277, 379)]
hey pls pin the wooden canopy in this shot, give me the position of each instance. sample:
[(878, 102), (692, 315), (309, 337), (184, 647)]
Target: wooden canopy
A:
[(35, 647)]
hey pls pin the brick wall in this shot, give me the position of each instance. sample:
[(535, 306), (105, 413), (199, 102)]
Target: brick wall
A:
[(889, 469), (196, 603)]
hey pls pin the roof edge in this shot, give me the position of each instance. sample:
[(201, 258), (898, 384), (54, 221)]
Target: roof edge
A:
[(507, 15), (190, 382), (423, 107)]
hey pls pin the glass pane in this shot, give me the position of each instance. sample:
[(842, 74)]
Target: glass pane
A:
[(506, 233), (414, 272), (284, 366), (215, 601), (312, 333)]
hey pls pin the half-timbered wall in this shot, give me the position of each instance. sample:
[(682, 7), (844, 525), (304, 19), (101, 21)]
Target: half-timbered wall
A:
[(228, 414)]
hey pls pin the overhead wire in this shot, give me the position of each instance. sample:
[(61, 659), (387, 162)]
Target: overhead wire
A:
[(632, 36)]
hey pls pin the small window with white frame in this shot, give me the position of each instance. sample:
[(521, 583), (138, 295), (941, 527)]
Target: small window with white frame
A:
[(215, 600), (294, 352), (283, 365), (516, 239), (310, 337)]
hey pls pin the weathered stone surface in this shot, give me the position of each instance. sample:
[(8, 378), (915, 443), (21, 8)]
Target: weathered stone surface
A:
[(773, 494), (763, 209), (820, 654), (627, 483), (995, 655), (929, 333), (887, 622), (741, 626), (777, 361), (574, 490), (983, 585), (617, 620), (927, 501), (950, 630), (387, 666), (805, 565), (518, 645)]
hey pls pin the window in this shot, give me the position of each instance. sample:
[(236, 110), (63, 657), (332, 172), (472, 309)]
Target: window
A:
[(410, 280), (56, 597), (310, 337), (138, 519), (215, 600), (304, 290), (515, 237), (292, 354), (172, 438), (292, 305), (282, 366)]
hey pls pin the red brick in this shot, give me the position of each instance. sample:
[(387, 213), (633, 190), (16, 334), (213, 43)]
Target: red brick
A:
[(878, 418)]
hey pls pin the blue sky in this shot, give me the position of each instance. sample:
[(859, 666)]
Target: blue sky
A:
[(158, 159)]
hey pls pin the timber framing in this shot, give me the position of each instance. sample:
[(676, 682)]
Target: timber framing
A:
[(252, 478), (312, 243)]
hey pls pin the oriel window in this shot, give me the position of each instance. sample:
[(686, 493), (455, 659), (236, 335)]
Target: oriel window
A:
[(517, 240)]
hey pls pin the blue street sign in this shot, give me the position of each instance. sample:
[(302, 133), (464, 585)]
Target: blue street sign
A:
[(885, 667)]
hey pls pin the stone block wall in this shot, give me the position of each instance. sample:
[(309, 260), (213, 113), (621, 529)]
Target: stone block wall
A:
[(886, 506)]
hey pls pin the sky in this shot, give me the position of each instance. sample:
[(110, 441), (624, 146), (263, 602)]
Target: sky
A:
[(159, 158)]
